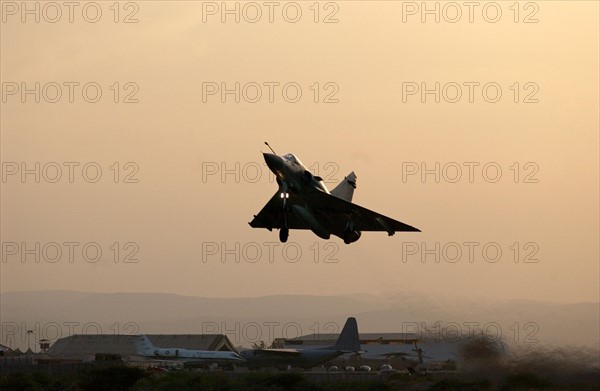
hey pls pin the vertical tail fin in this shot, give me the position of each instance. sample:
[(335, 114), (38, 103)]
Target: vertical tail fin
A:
[(144, 346), (348, 339), (345, 189)]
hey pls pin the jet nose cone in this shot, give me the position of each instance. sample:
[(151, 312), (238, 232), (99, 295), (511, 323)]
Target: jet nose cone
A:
[(244, 355), (273, 161)]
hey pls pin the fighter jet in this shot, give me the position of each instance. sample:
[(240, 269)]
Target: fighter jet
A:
[(188, 357), (348, 342), (303, 202)]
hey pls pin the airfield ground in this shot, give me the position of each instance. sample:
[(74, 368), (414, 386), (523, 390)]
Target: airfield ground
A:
[(136, 379)]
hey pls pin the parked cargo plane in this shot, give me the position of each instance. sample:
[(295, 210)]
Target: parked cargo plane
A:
[(348, 342), (146, 348), (303, 202)]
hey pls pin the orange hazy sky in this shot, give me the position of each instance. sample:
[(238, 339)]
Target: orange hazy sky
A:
[(142, 152)]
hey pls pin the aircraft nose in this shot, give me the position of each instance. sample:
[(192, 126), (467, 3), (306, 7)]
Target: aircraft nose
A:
[(273, 161), (243, 356)]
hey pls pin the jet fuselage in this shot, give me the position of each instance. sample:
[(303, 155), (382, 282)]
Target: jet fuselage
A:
[(291, 173), (303, 359), (146, 348)]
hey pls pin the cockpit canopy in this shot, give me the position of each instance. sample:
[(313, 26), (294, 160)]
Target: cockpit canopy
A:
[(292, 158)]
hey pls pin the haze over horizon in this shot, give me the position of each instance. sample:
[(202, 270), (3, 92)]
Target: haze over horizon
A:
[(181, 170), (520, 324)]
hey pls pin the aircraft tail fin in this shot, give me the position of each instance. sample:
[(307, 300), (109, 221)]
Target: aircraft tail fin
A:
[(144, 346), (348, 339), (345, 189)]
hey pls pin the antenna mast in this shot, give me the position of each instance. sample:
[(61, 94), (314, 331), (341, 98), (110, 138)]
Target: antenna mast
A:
[(267, 144)]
